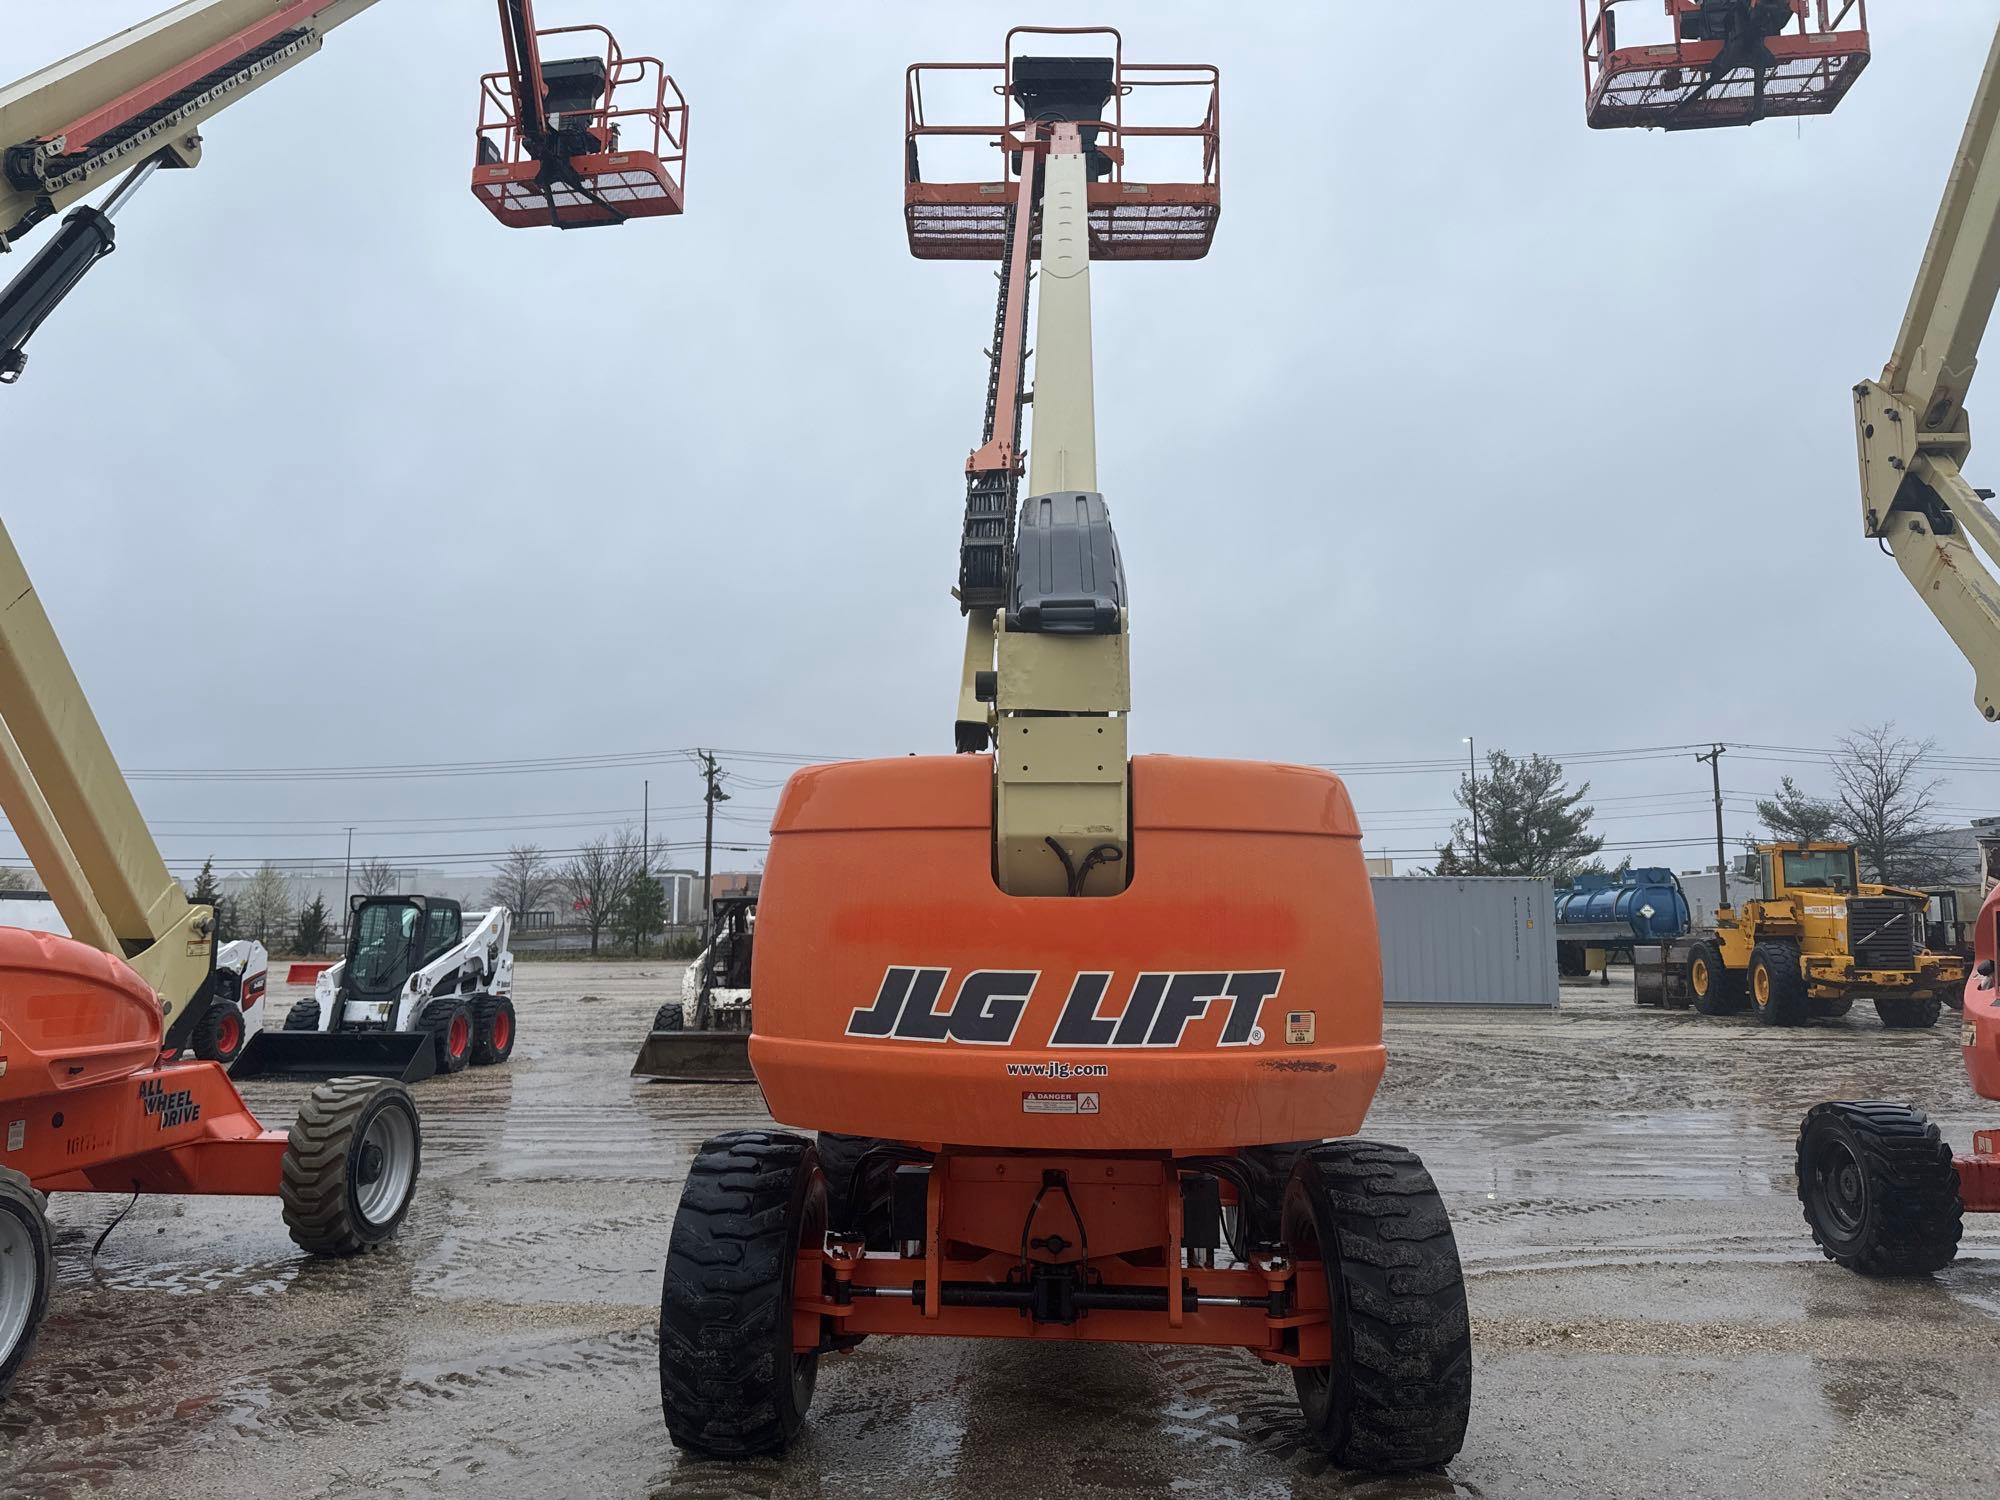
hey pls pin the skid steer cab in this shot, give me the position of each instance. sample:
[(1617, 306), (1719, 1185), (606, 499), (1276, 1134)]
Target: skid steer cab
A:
[(1814, 941), (425, 988)]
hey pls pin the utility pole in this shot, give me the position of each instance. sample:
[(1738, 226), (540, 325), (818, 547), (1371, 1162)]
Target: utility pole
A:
[(346, 880), (1714, 759), (1472, 765), (711, 771), (646, 825)]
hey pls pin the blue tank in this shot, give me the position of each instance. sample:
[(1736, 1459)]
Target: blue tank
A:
[(1612, 910)]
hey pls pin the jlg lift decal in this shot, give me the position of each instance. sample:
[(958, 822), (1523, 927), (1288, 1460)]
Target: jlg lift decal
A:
[(990, 1003)]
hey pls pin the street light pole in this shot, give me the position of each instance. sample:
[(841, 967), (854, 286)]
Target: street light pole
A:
[(346, 879), (1472, 765)]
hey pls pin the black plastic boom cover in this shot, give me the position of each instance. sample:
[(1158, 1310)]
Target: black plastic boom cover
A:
[(1068, 579)]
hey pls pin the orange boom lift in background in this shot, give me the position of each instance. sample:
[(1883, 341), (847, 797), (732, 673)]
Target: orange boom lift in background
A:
[(92, 1098), (1071, 1026)]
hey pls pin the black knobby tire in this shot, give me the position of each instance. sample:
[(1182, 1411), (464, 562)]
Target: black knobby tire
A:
[(351, 1165), (1778, 986), (1879, 1189), (1903, 1013), (669, 1017), (303, 1016), (730, 1383), (449, 1021), (221, 1032), (1715, 989), (493, 1028), (1398, 1393), (1831, 1010), (1570, 963), (860, 1206), (26, 1269)]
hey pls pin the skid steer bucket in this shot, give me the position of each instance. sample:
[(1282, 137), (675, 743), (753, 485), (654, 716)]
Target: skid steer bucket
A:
[(696, 1057), (405, 1056)]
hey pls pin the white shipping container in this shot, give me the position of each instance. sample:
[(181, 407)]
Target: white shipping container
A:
[(1474, 940)]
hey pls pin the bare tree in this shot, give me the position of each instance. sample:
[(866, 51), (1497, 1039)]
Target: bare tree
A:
[(264, 905), (526, 881), (1888, 800), (597, 878), (13, 879), (375, 877)]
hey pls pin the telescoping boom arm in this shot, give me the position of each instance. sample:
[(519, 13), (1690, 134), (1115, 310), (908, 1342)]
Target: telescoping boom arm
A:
[(70, 128), (1046, 672), (1911, 426)]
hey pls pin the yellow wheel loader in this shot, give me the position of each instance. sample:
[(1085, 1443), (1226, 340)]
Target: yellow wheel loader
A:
[(1816, 940)]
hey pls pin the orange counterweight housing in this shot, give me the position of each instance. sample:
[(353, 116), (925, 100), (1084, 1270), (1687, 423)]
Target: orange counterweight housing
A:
[(1230, 996), (1979, 1032), (1979, 1037), (86, 1104)]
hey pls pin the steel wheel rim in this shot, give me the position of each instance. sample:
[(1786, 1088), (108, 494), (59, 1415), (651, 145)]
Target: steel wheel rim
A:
[(1698, 976), (1841, 1187), (387, 1158), (232, 1032), (1760, 986), (460, 1036), (19, 1278), (503, 1030)]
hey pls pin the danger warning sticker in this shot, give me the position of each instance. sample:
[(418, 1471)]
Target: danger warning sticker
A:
[(1059, 1104)]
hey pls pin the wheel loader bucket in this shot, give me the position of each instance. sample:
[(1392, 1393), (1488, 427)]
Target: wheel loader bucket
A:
[(405, 1056), (696, 1057)]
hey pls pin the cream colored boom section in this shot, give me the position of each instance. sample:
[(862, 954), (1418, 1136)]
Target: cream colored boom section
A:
[(1059, 745), (46, 102), (69, 804), (1911, 427)]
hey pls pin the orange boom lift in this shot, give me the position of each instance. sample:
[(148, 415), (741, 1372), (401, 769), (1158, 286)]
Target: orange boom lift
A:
[(1073, 1029), (92, 1098)]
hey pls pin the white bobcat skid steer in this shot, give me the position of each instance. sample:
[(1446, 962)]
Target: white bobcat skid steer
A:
[(425, 988), (236, 1001), (704, 1037)]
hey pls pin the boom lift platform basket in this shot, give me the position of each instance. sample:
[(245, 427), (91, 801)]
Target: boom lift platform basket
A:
[(1728, 62), (1134, 214), (607, 143)]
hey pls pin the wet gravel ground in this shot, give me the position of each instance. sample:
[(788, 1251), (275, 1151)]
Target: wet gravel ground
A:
[(1650, 1317)]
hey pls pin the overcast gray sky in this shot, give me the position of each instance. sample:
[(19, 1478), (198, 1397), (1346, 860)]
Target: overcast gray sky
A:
[(1475, 422)]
